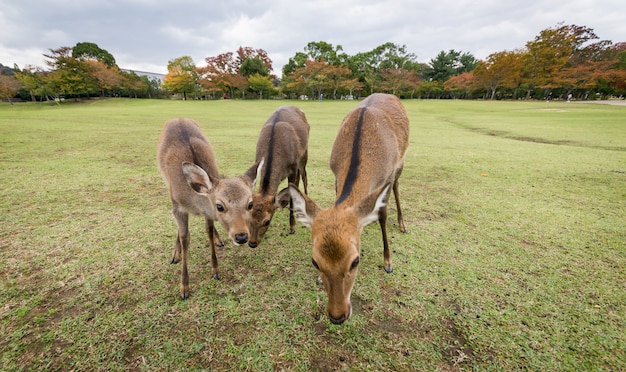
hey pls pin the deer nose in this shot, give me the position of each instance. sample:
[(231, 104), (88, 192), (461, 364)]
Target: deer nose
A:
[(339, 320), (252, 244), (241, 238)]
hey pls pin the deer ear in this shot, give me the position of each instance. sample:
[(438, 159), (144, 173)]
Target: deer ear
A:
[(367, 210), (197, 178), (304, 208), (254, 173), (282, 199)]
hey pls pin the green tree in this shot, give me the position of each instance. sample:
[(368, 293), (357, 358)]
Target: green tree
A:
[(260, 55), (70, 76), (448, 64), (323, 51), (252, 66), (33, 80), (294, 63), (87, 50), (259, 83), (182, 76), (367, 66)]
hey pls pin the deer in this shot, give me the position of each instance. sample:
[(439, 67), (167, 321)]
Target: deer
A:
[(188, 166), (367, 159), (283, 143)]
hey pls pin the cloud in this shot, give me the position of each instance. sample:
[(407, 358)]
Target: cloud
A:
[(149, 33)]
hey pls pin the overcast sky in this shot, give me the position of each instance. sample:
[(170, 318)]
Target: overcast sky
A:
[(145, 34)]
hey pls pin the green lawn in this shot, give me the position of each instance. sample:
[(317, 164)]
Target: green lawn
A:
[(515, 256)]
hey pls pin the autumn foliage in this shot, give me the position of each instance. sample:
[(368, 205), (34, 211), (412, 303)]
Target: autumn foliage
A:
[(559, 61)]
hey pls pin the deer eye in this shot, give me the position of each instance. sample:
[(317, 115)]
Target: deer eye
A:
[(355, 263), (250, 206), (315, 264), (267, 223), (220, 208)]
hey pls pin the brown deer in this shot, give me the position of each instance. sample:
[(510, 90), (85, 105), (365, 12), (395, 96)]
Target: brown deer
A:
[(188, 166), (283, 144), (367, 159)]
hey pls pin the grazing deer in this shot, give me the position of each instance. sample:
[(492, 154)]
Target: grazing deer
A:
[(367, 159), (283, 144), (187, 164)]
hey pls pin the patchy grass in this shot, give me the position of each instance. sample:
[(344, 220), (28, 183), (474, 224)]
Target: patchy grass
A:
[(515, 256)]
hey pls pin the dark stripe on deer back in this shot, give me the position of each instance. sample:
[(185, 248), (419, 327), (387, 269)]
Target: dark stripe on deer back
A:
[(267, 173), (184, 136), (355, 160)]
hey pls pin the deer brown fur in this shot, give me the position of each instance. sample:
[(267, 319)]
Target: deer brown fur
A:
[(367, 158), (283, 143), (188, 166)]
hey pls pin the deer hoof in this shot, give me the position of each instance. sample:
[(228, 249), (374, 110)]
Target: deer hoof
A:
[(175, 260), (184, 295), (220, 244), (216, 276), (388, 269), (292, 231)]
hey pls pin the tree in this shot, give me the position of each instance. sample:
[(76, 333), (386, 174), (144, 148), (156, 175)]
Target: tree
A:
[(9, 86), (323, 51), (107, 78), (367, 66), (133, 85), (448, 64), (294, 63), (70, 76), (260, 55), (501, 69), (460, 84), (33, 80), (259, 83), (618, 52), (230, 71), (92, 51), (182, 76), (313, 78), (252, 66), (219, 73), (551, 51), (396, 79)]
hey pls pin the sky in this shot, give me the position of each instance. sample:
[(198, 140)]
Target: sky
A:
[(143, 35)]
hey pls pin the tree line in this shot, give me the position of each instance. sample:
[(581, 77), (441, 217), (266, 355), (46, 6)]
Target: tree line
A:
[(561, 61)]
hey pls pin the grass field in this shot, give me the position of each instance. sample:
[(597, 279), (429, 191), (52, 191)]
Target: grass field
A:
[(515, 256)]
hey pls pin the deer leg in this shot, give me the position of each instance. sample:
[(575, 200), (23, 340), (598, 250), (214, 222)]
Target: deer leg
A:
[(303, 173), (182, 245), (177, 246), (210, 227), (293, 178), (396, 195), (176, 255), (382, 220)]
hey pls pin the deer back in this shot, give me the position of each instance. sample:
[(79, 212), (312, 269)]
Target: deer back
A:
[(283, 143), (370, 147)]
